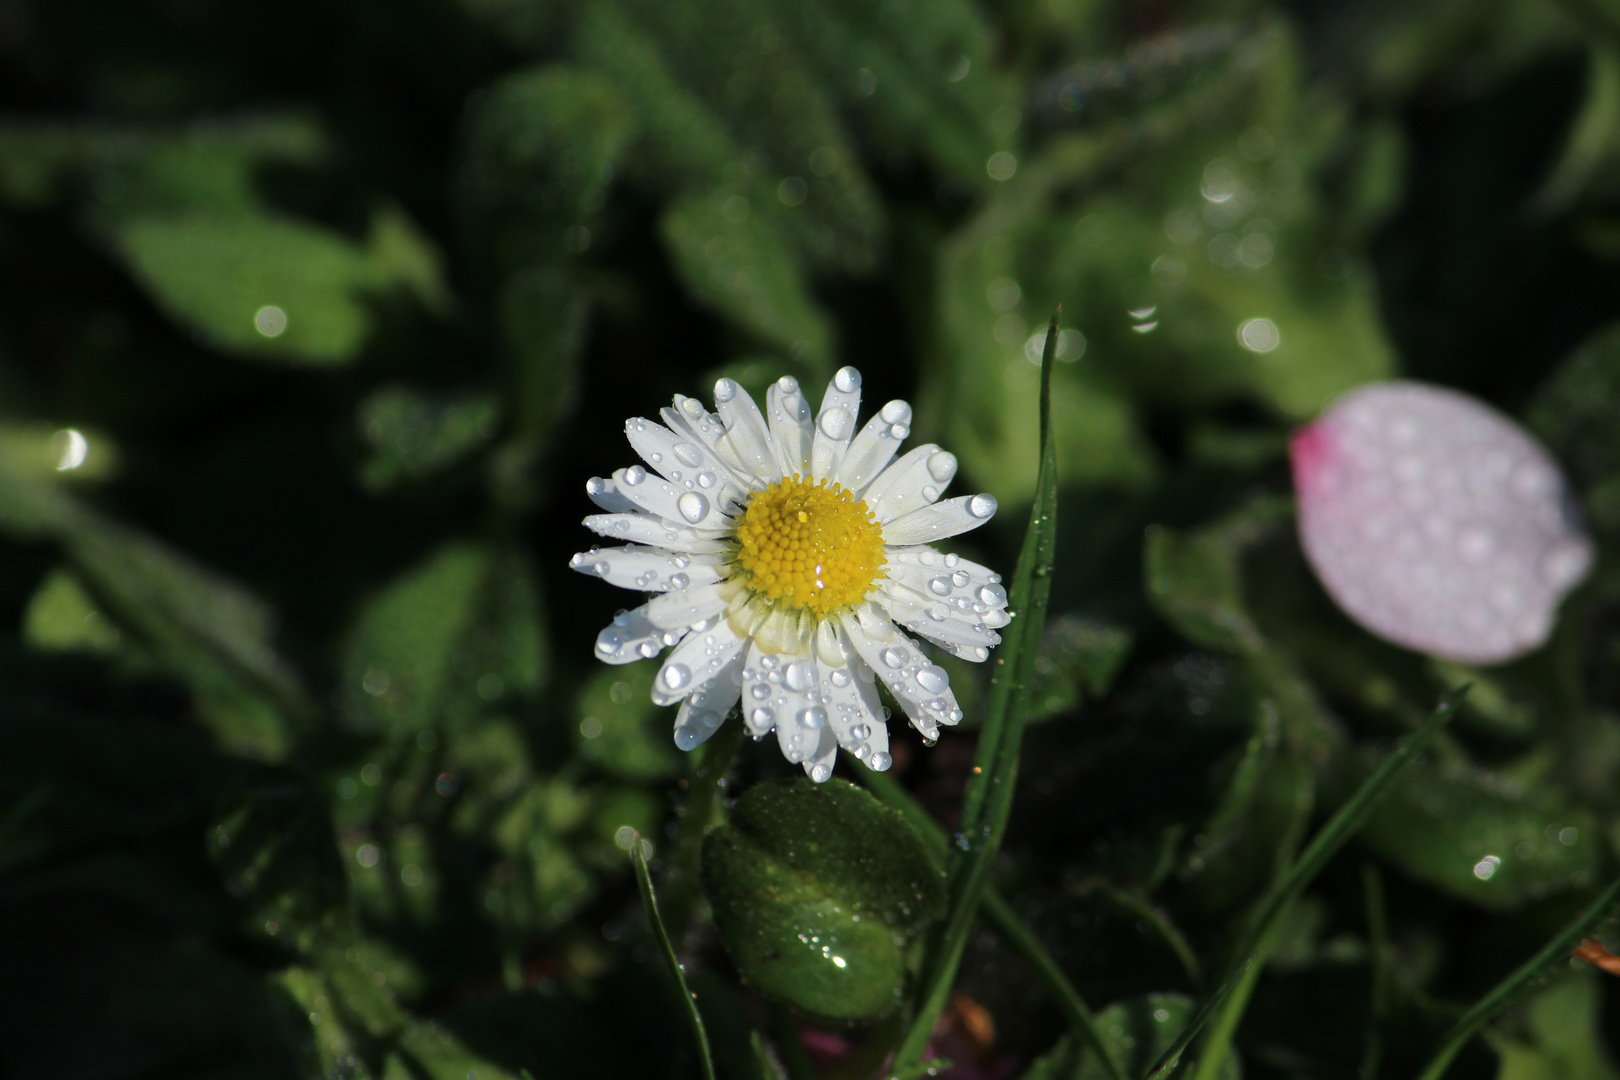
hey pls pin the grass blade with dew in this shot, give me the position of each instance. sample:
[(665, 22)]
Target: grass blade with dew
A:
[(1316, 855), (1503, 994), (990, 790), (644, 879)]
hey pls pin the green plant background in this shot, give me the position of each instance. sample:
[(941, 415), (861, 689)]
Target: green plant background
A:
[(306, 767)]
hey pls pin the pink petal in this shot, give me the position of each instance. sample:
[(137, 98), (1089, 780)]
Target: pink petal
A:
[(1436, 522)]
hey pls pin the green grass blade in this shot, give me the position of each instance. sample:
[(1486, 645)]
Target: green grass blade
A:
[(1316, 855), (1509, 988), (990, 791), (650, 902), (1012, 931)]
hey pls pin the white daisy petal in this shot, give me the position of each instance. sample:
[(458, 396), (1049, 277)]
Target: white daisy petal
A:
[(791, 430), (701, 655), (801, 716), (747, 437), (671, 502), (940, 521), (631, 637), (915, 481), (647, 568), (835, 423), (705, 708), (923, 575), (690, 419), (647, 529), (964, 634), (874, 446), (819, 765), (687, 465), (680, 608), (855, 714), (605, 493), (922, 688)]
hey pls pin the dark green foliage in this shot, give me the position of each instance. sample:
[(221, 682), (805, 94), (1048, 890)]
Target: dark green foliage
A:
[(306, 764)]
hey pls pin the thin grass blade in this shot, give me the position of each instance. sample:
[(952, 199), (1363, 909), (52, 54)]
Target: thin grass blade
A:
[(650, 902), (1316, 855), (990, 791)]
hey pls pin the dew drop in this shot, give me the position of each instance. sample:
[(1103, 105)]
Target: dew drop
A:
[(679, 581), (861, 731), (879, 762), (600, 569), (836, 422), (800, 675), (899, 431), (609, 642), (760, 692), (788, 384), (982, 505), (847, 379), (896, 412), (939, 586), (596, 486), (940, 612), (839, 678), (676, 676), (933, 679), (820, 772), (634, 475), (724, 391), (994, 595), (768, 663), (648, 649), (813, 717), (693, 507), (942, 466), (960, 579), (762, 718), (930, 494), (860, 750), (895, 656), (707, 479), (687, 454)]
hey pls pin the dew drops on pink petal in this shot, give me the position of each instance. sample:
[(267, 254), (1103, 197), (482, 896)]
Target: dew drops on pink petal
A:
[(1437, 523)]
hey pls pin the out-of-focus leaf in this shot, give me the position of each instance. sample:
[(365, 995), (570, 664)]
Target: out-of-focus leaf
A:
[(61, 617), (1572, 412), (425, 1049), (274, 848), (619, 727), (1478, 838), (256, 285), (1079, 659), (72, 454), (1560, 1036), (413, 435), (815, 890), (1137, 1032), (725, 254)]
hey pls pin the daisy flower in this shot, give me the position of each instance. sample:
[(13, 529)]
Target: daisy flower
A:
[(788, 550)]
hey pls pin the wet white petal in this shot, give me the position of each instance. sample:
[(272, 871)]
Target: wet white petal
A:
[(854, 711), (705, 708), (648, 529), (680, 608), (874, 446), (631, 636), (819, 765), (647, 568), (698, 659), (747, 438), (688, 465), (656, 495), (791, 431), (920, 686), (939, 521), (967, 634), (605, 493), (835, 423), (1436, 522), (910, 483)]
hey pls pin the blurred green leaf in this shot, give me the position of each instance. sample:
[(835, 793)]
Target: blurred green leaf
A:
[(413, 435), (1560, 1037), (1474, 836), (621, 730), (816, 889), (1136, 1031), (1079, 659)]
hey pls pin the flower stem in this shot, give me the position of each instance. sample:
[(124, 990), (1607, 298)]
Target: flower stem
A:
[(704, 789)]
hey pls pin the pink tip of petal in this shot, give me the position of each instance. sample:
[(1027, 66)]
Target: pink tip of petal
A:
[(1436, 522)]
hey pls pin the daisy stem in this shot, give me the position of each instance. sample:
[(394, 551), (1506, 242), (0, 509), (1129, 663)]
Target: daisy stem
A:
[(1006, 923), (688, 999), (703, 791), (988, 801)]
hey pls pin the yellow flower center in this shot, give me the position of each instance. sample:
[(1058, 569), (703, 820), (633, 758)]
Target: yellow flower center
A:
[(809, 546)]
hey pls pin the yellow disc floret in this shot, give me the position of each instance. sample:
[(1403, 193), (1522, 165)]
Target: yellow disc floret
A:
[(809, 546)]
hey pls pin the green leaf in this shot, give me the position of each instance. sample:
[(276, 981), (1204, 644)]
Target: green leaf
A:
[(1195, 580), (257, 285), (1482, 839), (413, 435), (1079, 659), (1136, 1032), (1560, 1037), (621, 730), (816, 889), (726, 255)]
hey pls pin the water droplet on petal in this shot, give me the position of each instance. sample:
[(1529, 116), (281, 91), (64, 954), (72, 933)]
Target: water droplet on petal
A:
[(724, 391), (896, 412), (836, 422), (933, 679), (676, 676), (687, 737), (693, 507), (942, 466), (788, 384), (982, 505), (800, 675), (679, 581), (760, 692), (839, 678), (879, 762), (895, 657), (761, 719), (813, 717), (939, 586), (687, 454), (707, 479), (861, 731), (848, 380), (634, 475), (994, 595), (820, 772), (899, 431)]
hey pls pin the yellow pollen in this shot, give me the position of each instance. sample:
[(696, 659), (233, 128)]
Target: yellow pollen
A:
[(809, 546)]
